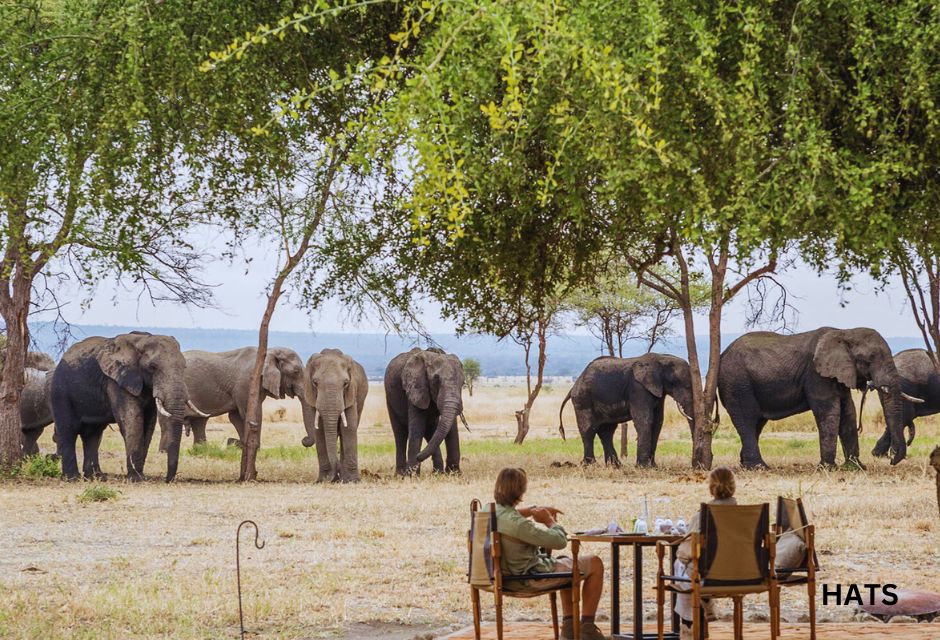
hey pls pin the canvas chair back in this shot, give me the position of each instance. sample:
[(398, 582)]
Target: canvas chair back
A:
[(482, 526), (734, 544), (792, 516)]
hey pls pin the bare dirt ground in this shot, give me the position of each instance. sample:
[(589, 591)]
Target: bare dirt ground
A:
[(386, 558)]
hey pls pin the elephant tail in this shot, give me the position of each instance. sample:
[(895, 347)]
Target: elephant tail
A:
[(561, 420), (717, 418)]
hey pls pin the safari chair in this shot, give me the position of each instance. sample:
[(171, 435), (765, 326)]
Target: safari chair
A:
[(484, 573), (732, 556), (791, 517)]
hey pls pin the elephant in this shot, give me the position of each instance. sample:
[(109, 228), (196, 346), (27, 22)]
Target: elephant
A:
[(919, 380), (219, 383), (423, 391), (35, 410), (768, 376), (614, 390), (335, 388), (127, 379)]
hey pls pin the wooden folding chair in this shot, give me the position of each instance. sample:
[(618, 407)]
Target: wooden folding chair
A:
[(484, 573), (791, 517), (732, 556)]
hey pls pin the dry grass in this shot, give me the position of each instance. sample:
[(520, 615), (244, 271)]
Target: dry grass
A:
[(158, 562)]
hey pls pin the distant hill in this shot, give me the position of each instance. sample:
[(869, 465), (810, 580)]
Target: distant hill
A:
[(567, 354)]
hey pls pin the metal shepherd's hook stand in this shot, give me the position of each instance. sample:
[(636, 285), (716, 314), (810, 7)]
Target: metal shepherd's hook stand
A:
[(238, 568)]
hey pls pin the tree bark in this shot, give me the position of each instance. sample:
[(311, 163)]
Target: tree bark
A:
[(522, 417), (14, 309)]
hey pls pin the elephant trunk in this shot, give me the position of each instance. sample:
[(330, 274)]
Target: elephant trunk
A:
[(331, 417), (889, 385), (447, 421), (171, 399)]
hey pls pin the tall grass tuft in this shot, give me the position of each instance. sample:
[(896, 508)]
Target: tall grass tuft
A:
[(98, 493), (38, 466)]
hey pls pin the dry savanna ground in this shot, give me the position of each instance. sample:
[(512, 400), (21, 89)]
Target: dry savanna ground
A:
[(386, 558)]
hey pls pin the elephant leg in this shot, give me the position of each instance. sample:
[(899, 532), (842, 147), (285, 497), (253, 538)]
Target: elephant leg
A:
[(656, 429), (400, 431), (349, 454), (587, 431), (437, 460), (150, 423), (848, 431), (644, 416), (198, 427), (416, 429), (65, 433), (606, 434), (325, 468), (131, 421), (29, 440), (91, 442), (828, 418), (238, 422), (452, 442), (748, 420)]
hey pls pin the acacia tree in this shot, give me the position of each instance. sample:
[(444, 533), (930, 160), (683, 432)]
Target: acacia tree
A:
[(471, 373)]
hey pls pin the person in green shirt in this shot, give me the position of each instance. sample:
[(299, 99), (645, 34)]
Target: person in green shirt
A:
[(524, 532)]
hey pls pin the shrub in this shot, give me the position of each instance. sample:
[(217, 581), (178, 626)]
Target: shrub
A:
[(38, 466), (98, 493)]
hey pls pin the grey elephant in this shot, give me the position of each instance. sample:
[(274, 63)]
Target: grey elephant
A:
[(35, 408), (423, 391), (219, 383), (919, 381), (768, 376), (127, 379), (614, 390), (336, 387)]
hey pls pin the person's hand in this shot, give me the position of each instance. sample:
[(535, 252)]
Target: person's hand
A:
[(544, 516)]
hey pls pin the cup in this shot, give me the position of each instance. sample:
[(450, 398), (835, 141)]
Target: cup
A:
[(640, 526)]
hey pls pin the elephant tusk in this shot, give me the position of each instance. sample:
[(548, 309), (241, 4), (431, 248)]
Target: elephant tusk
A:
[(911, 398), (163, 412), (342, 416), (884, 389), (316, 422), (201, 414), (463, 419), (682, 411)]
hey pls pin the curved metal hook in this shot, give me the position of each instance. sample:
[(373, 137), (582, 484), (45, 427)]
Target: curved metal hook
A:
[(238, 567)]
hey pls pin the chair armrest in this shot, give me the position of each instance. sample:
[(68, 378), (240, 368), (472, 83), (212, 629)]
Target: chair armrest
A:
[(674, 544), (782, 533), (539, 576), (677, 578)]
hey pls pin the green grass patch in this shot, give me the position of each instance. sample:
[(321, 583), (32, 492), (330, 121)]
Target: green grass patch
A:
[(38, 466), (98, 493), (215, 450)]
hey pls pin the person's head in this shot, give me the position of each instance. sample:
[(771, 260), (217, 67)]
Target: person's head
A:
[(510, 486), (721, 483)]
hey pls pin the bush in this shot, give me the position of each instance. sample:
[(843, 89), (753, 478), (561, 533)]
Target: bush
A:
[(38, 466), (98, 493)]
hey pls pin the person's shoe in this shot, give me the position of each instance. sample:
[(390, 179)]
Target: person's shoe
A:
[(567, 629), (710, 614), (589, 631)]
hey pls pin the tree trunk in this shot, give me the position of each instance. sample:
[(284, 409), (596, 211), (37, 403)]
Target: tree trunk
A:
[(624, 439), (14, 309), (522, 417), (255, 394)]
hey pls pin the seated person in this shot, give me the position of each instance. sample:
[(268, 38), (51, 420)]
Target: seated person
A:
[(721, 487), (521, 538)]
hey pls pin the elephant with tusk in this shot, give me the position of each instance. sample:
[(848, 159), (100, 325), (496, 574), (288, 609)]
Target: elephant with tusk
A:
[(920, 390), (616, 390), (336, 388), (219, 384), (128, 379)]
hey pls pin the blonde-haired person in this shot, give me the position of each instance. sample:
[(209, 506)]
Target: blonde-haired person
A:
[(522, 536), (721, 486)]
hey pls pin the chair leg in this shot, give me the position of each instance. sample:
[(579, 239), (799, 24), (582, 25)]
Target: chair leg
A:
[(475, 601), (499, 615), (738, 619), (660, 604), (774, 613), (697, 618), (553, 596), (576, 611), (811, 589)]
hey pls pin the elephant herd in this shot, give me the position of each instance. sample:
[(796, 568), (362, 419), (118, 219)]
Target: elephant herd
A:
[(137, 380), (764, 376)]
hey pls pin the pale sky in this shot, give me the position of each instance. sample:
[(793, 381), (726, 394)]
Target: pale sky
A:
[(240, 302)]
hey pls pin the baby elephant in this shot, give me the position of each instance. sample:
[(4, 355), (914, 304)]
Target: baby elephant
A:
[(335, 392), (614, 390)]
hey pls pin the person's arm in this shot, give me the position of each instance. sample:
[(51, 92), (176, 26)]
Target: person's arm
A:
[(527, 512), (521, 528)]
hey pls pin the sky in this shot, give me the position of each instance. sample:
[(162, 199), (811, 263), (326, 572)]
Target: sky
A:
[(240, 303)]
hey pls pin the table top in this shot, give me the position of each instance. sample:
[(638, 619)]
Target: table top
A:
[(624, 538)]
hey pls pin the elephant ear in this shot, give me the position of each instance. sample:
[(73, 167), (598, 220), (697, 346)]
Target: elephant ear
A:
[(310, 389), (271, 377), (415, 379), (351, 395), (834, 360), (647, 374), (118, 360)]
